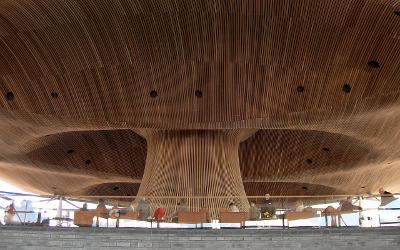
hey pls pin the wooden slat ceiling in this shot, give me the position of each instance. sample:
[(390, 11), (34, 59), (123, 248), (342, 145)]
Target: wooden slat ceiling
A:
[(317, 82)]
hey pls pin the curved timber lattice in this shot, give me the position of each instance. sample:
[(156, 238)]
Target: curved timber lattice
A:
[(193, 163)]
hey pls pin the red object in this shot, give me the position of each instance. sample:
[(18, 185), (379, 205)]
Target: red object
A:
[(159, 214)]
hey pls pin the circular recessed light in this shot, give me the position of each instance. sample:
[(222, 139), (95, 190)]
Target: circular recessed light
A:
[(87, 162), (198, 93), (373, 64), (153, 94), (115, 188), (305, 188), (10, 96), (70, 151), (326, 149), (309, 161), (346, 88), (300, 89), (54, 94)]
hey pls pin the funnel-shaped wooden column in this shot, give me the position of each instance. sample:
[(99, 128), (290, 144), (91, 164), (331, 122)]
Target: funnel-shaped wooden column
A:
[(194, 164)]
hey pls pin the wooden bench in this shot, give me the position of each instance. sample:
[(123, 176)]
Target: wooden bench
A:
[(233, 217), (193, 217)]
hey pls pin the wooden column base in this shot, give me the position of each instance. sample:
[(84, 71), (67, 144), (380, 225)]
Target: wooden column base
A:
[(194, 163)]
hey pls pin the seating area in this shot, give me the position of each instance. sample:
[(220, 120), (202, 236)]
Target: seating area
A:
[(261, 214), (91, 217), (195, 219)]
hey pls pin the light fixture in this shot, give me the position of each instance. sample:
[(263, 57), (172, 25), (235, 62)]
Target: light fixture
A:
[(300, 89), (346, 88), (153, 94), (10, 96), (198, 93), (373, 64)]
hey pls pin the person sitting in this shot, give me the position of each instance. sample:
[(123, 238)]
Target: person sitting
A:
[(9, 214), (254, 212), (386, 197), (332, 212), (382, 191), (133, 206), (267, 208), (101, 211), (181, 207), (233, 208), (158, 216), (46, 222), (101, 208), (101, 205), (10, 209), (299, 206), (347, 205), (115, 211), (84, 207), (144, 209)]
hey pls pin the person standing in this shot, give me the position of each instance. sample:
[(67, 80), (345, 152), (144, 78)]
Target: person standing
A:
[(84, 207), (254, 212), (267, 208), (181, 207), (233, 208), (143, 209), (386, 197), (347, 205)]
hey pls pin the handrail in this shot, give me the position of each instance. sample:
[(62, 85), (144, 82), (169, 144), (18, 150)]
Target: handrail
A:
[(230, 197), (332, 196)]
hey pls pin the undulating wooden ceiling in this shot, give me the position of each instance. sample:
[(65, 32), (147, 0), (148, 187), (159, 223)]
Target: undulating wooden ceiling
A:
[(313, 84)]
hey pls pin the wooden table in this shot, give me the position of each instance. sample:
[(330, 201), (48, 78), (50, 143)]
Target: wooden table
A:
[(234, 217), (84, 218), (199, 217)]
